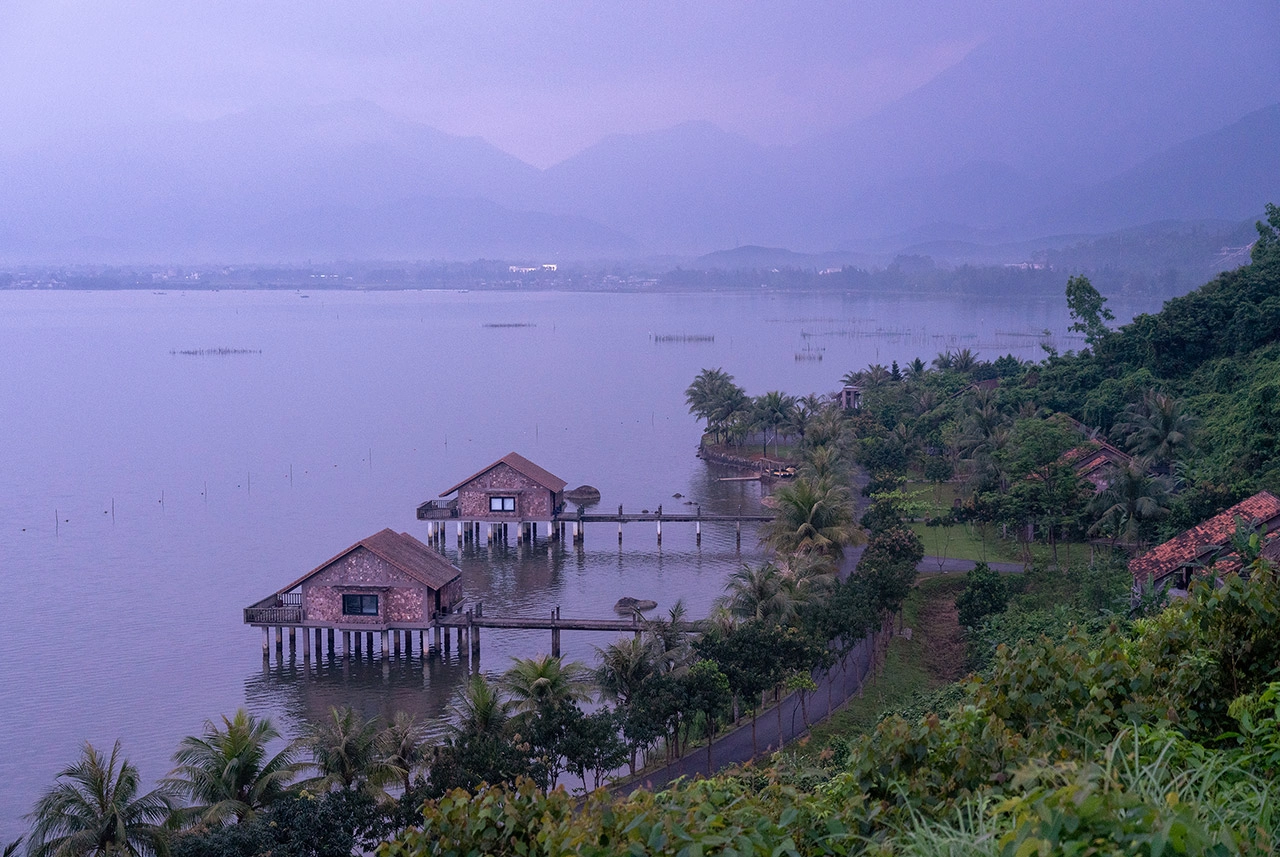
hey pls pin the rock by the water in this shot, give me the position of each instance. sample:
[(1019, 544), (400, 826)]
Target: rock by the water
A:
[(631, 605), (583, 494)]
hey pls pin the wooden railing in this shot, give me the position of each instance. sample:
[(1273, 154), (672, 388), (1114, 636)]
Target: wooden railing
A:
[(434, 510), (273, 615)]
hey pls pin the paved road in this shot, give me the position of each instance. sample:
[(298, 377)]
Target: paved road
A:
[(737, 745)]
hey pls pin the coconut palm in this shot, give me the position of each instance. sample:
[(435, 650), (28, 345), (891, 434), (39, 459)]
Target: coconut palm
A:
[(964, 360), (812, 517), (1158, 428), (624, 666), (1133, 498), (825, 462), (808, 576), (714, 397), (401, 748), (482, 710), (545, 681), (875, 376), (915, 369), (343, 751), (669, 637), (759, 594), (945, 360), (94, 808), (772, 411), (228, 772)]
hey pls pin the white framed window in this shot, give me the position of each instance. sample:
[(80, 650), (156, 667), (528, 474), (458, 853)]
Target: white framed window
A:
[(502, 504)]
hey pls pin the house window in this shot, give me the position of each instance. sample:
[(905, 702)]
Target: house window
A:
[(502, 504), (359, 605)]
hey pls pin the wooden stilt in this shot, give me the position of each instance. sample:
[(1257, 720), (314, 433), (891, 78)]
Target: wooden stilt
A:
[(306, 644), (266, 641), (386, 648), (279, 638)]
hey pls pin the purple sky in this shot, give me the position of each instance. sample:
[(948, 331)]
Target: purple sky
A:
[(541, 80)]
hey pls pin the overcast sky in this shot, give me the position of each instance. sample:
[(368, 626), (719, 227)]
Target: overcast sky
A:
[(541, 80)]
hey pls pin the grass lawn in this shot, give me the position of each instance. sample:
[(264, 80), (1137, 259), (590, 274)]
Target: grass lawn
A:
[(962, 542), (934, 656)]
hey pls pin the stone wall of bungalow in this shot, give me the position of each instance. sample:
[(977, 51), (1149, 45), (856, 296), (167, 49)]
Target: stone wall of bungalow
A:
[(401, 598), (533, 502)]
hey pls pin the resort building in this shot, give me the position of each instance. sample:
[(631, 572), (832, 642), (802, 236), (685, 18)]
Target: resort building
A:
[(387, 583), (1175, 563), (511, 490), (1097, 462)]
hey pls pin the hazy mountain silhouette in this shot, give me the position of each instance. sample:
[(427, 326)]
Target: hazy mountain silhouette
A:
[(1228, 173), (1079, 123)]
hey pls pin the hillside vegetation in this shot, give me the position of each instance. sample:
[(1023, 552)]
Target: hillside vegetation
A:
[(1156, 735)]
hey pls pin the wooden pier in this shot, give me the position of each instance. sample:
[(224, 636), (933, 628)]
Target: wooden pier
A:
[(572, 525), (468, 624)]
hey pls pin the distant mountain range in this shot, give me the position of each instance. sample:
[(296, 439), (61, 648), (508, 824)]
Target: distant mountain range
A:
[(1019, 141)]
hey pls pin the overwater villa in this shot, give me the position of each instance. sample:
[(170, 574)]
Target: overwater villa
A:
[(511, 490), (388, 583)]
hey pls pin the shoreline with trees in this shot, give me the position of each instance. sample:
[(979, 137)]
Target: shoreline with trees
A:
[(1091, 721)]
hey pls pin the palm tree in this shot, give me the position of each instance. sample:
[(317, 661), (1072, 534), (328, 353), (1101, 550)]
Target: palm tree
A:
[(624, 666), (669, 638), (401, 748), (964, 360), (770, 411), (714, 397), (813, 517), (482, 710), (1158, 428), (94, 809), (803, 412), (915, 369), (825, 462), (343, 752), (705, 391), (545, 681), (875, 376), (228, 773), (759, 594), (1133, 498), (943, 361)]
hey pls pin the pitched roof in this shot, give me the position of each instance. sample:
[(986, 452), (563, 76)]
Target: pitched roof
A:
[(1201, 542), (1092, 456), (521, 465), (403, 552)]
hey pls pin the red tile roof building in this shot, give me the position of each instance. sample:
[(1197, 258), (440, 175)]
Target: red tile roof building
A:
[(1209, 542), (1096, 462)]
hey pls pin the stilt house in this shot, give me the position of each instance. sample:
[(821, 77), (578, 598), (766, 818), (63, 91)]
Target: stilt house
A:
[(388, 581)]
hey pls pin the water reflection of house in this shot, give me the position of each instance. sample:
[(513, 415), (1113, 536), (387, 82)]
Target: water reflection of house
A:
[(511, 490), (1174, 563), (388, 582), (1097, 462)]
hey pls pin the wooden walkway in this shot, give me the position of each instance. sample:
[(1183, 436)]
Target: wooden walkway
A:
[(468, 624), (663, 517)]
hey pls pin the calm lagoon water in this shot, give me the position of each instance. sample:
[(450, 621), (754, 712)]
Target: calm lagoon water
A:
[(146, 496)]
